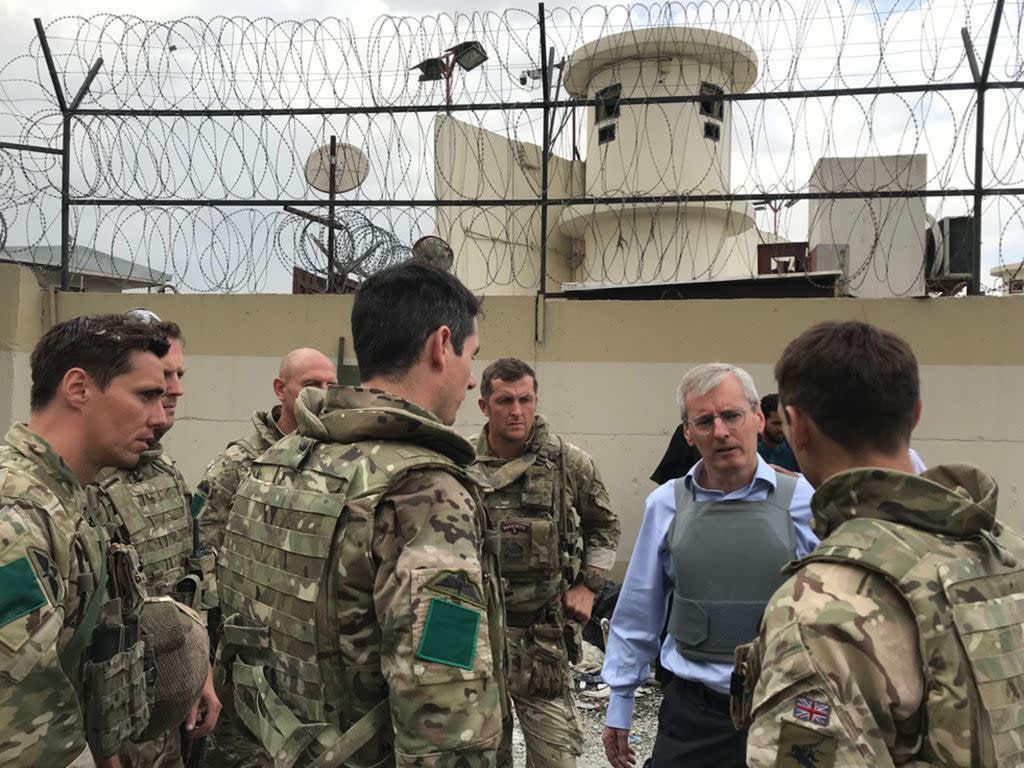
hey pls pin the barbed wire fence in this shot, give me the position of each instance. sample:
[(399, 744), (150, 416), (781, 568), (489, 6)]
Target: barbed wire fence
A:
[(176, 146)]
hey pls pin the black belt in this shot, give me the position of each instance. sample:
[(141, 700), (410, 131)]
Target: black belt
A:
[(712, 698)]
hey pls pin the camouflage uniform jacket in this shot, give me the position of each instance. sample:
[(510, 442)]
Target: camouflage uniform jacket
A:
[(148, 507), (897, 641), (225, 473), (360, 592), (526, 505), (48, 554)]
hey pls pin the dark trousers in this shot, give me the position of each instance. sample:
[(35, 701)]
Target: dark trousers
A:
[(695, 730)]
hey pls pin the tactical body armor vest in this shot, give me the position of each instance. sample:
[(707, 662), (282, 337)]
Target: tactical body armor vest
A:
[(302, 642), (967, 594), (101, 653), (541, 548), (150, 504), (727, 560)]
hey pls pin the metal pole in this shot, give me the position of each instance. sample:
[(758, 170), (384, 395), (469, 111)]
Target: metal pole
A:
[(332, 193), (65, 204), (65, 160), (28, 148), (401, 109), (448, 68), (489, 202), (545, 74), (58, 91), (93, 71), (974, 286)]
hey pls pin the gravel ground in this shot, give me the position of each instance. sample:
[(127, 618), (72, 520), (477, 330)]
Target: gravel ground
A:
[(591, 712)]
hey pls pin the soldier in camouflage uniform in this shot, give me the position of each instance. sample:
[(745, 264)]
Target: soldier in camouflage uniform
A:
[(96, 389), (300, 368), (147, 506), (358, 575), (558, 536), (898, 640)]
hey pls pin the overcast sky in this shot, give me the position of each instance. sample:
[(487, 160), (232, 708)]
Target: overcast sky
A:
[(919, 41)]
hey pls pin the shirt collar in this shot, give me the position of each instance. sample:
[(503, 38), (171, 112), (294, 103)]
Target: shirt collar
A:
[(764, 474)]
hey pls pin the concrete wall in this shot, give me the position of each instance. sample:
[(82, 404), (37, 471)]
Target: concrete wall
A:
[(886, 238), (498, 249), (607, 370), (22, 308)]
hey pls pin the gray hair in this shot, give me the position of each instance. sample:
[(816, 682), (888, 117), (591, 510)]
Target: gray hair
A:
[(704, 378)]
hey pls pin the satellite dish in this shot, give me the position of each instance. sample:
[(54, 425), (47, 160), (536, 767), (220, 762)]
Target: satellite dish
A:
[(352, 169), (434, 250)]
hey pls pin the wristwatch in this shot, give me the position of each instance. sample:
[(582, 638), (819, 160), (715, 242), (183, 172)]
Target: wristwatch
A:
[(593, 581)]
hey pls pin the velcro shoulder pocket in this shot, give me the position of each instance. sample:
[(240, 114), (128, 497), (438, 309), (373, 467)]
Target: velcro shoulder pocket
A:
[(784, 663), (450, 636), (29, 620)]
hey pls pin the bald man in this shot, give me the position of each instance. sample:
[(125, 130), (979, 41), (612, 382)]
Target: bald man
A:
[(300, 368)]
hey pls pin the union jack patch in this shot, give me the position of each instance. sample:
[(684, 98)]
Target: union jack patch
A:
[(811, 711)]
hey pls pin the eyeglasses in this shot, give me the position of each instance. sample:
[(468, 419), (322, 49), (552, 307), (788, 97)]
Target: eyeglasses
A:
[(733, 420), (142, 315)]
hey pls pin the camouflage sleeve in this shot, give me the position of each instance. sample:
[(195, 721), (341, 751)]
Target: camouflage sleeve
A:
[(600, 525), (220, 483), (41, 721), (436, 651), (840, 680)]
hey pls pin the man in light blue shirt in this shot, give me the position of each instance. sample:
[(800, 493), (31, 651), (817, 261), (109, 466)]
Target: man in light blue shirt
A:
[(710, 548)]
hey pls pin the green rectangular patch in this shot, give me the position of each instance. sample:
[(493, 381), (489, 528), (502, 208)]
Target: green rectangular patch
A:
[(21, 592), (449, 634)]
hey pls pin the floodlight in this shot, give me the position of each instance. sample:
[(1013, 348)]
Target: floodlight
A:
[(468, 55), (432, 69)]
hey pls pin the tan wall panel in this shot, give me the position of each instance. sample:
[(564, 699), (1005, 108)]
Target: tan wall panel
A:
[(15, 384), (978, 331), (21, 308), (608, 370), (246, 325)]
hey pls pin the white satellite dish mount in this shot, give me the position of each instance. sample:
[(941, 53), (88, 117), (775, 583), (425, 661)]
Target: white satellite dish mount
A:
[(351, 167)]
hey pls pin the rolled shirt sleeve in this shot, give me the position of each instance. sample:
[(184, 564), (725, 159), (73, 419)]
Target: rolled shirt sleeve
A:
[(599, 524)]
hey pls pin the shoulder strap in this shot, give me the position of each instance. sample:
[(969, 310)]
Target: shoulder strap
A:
[(511, 471), (684, 504), (785, 487)]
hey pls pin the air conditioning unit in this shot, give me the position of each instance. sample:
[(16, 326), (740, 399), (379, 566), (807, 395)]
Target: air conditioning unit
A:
[(954, 247), (830, 257)]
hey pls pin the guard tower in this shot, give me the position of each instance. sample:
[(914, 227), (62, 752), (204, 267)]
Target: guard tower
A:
[(659, 149)]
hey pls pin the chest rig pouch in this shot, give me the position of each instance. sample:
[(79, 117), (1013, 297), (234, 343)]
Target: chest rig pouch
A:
[(118, 699), (968, 597), (156, 519), (531, 510), (297, 683)]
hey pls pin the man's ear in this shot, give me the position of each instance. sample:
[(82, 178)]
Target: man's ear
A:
[(686, 433), (434, 348), (279, 389), (483, 407), (76, 386), (917, 415), (798, 426)]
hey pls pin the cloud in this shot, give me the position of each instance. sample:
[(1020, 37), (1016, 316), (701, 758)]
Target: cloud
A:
[(366, 58)]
